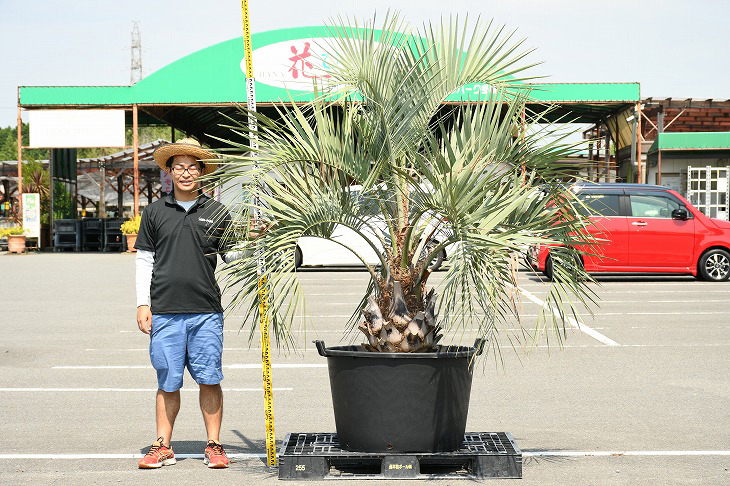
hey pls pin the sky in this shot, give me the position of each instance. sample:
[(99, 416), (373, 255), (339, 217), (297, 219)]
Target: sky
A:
[(674, 48)]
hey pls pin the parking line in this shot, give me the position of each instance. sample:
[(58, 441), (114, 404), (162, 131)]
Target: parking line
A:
[(122, 456), (622, 453), (122, 390), (231, 366), (254, 455), (581, 327)]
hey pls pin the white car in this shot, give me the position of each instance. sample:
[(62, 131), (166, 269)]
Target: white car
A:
[(313, 251)]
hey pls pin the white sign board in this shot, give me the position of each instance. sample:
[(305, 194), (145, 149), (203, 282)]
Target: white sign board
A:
[(76, 128), (32, 214)]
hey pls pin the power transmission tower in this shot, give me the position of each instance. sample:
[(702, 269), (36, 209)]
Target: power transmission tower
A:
[(135, 72)]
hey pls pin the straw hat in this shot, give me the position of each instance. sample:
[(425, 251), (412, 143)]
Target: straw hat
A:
[(186, 146)]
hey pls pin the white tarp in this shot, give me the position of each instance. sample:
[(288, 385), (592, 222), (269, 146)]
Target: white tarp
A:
[(76, 128)]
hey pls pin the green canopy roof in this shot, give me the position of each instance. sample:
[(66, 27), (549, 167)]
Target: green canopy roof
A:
[(690, 142), (214, 75), (192, 92)]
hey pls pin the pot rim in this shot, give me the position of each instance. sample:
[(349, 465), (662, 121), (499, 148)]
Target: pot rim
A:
[(442, 352)]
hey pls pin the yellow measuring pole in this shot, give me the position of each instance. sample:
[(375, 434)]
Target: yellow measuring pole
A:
[(260, 268)]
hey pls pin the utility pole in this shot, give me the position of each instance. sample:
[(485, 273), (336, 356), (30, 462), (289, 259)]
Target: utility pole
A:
[(135, 68)]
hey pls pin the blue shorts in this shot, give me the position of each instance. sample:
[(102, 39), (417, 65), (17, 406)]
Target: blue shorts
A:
[(192, 341)]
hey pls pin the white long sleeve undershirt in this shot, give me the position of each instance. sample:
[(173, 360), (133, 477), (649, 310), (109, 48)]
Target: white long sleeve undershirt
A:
[(144, 262)]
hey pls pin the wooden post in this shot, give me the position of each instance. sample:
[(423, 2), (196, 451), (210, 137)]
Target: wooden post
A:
[(120, 195), (590, 161), (102, 192), (135, 142), (639, 138), (660, 130), (599, 169), (20, 161), (608, 156)]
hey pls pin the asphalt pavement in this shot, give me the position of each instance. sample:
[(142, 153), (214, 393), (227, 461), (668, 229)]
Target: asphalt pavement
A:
[(637, 394)]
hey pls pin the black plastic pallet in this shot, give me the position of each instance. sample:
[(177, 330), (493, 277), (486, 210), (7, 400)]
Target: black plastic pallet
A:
[(318, 456)]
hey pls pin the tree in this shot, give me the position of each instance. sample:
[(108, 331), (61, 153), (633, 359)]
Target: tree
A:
[(472, 177)]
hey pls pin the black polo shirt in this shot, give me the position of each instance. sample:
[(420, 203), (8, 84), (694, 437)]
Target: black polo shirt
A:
[(186, 246)]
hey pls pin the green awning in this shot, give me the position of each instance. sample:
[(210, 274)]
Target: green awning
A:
[(285, 60), (196, 92), (690, 142)]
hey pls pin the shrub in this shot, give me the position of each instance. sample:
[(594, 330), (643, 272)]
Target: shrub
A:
[(131, 226), (13, 230)]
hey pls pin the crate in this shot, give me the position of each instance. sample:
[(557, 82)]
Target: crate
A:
[(113, 237), (67, 234), (315, 456), (92, 233)]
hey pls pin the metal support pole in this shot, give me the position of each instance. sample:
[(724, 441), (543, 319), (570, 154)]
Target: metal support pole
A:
[(135, 143)]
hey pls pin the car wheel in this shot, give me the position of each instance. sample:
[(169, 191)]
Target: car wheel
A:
[(715, 265), (298, 257), (548, 272), (549, 267)]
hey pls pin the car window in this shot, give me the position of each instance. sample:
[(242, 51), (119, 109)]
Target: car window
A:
[(599, 204), (645, 206)]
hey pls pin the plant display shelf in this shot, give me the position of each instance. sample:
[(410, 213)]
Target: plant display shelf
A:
[(316, 456)]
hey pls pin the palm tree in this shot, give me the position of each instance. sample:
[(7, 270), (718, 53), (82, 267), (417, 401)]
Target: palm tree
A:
[(478, 177)]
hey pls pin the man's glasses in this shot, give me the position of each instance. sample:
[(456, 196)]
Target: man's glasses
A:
[(180, 170)]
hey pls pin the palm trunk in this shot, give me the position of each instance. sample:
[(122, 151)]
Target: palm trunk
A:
[(400, 329)]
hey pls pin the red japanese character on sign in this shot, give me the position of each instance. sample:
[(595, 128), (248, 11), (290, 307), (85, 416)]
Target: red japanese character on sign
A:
[(301, 60)]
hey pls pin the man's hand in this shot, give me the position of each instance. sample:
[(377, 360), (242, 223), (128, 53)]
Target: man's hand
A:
[(144, 318)]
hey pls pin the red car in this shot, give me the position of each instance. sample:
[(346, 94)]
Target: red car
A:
[(648, 229)]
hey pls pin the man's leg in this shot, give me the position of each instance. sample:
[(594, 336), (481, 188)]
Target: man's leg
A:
[(168, 405), (211, 404), (167, 353)]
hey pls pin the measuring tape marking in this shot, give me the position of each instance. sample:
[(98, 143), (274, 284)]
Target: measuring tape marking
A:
[(260, 267)]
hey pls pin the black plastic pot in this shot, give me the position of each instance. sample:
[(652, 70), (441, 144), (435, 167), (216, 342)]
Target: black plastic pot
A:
[(400, 402)]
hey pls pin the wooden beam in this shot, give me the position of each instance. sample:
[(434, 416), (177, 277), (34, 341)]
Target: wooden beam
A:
[(650, 123), (673, 119), (102, 192), (135, 142), (639, 139), (20, 160)]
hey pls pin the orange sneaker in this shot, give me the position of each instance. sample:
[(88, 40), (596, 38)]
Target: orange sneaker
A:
[(159, 455), (215, 456)]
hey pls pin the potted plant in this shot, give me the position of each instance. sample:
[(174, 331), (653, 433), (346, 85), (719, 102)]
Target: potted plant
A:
[(477, 176), (16, 238), (130, 228)]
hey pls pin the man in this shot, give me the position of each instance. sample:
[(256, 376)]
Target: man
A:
[(178, 299)]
